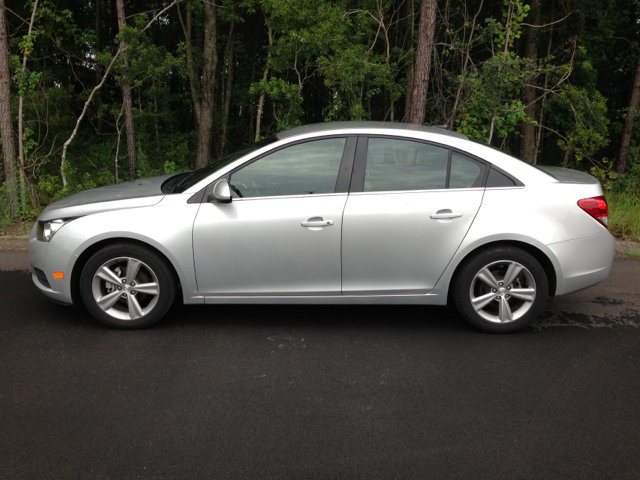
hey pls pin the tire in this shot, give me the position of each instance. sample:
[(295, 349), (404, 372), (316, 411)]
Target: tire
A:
[(487, 301), (141, 290)]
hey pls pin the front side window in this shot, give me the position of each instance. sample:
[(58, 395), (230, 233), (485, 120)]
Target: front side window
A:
[(396, 165), (308, 168)]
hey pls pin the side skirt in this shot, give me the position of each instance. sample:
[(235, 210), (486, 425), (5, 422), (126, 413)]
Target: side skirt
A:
[(427, 299)]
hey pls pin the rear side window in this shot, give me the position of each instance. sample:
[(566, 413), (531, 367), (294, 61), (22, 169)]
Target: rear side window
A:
[(465, 172), (497, 179), (396, 165)]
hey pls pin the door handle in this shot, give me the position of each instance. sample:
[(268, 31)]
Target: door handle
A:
[(446, 215), (317, 223)]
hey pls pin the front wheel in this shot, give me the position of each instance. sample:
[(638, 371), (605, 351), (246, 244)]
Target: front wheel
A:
[(127, 286), (501, 290)]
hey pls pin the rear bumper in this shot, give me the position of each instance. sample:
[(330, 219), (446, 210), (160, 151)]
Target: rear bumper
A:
[(584, 262)]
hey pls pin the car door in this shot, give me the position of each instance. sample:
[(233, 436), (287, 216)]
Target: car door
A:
[(280, 235), (410, 206)]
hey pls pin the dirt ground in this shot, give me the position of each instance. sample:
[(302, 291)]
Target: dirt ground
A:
[(11, 242)]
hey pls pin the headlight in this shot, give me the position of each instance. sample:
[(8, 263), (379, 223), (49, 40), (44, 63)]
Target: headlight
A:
[(46, 230)]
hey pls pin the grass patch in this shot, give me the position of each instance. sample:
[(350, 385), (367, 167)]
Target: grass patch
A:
[(624, 216), (16, 228)]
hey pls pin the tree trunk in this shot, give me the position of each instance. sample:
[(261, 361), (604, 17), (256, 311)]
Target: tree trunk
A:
[(210, 61), (538, 147), (621, 166), (128, 104), (467, 57), (426, 32), (193, 80), (264, 79), (6, 126), (227, 91), (202, 85), (24, 181), (528, 145), (98, 67), (411, 18)]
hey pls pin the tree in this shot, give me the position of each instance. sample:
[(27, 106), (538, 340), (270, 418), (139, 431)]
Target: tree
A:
[(202, 83), (528, 145), (126, 94), (410, 66), (27, 45), (426, 32), (621, 165), (6, 126)]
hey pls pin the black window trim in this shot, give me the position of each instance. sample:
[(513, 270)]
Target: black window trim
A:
[(360, 163)]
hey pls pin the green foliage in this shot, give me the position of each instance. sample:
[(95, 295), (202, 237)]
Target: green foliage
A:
[(286, 99), (626, 183), (338, 60), (493, 98), (588, 132), (50, 187), (510, 29), (624, 215), (24, 212)]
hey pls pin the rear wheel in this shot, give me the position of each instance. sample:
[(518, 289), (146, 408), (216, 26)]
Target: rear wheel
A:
[(127, 286), (501, 290)]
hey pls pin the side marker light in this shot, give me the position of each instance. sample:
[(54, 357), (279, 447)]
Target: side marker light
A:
[(58, 275)]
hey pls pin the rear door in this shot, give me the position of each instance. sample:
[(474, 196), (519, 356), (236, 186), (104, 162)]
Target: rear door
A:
[(410, 206)]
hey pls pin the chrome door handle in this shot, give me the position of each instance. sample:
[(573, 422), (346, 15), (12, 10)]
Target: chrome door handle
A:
[(446, 216), (317, 223)]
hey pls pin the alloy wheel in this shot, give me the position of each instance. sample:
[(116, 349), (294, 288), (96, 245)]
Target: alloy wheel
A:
[(503, 291), (125, 288)]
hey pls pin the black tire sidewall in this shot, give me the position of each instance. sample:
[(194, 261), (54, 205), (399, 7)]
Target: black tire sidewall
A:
[(473, 265), (148, 256)]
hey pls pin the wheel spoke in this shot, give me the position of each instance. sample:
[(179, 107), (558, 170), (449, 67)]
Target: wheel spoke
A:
[(108, 276), (512, 272), (482, 301), (148, 288), (133, 267), (107, 301), (526, 294), (504, 311), (135, 311), (487, 277)]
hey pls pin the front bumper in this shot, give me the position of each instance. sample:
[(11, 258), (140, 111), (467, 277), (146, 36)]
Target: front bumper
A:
[(584, 262), (49, 258)]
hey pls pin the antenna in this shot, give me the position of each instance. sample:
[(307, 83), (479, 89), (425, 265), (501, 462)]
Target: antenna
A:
[(445, 126)]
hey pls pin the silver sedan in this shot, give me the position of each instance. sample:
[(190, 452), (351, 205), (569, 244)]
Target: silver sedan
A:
[(334, 213)]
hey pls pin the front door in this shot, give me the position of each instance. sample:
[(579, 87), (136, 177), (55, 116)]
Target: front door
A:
[(281, 233)]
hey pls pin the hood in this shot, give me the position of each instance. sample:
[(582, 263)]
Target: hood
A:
[(136, 193)]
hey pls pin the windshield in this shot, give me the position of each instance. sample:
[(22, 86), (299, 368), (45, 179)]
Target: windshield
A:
[(194, 177)]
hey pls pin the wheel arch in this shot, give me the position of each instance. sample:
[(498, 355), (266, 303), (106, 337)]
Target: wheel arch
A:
[(84, 257), (539, 255)]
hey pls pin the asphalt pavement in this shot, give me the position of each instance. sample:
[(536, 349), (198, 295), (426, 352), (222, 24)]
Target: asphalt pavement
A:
[(321, 391)]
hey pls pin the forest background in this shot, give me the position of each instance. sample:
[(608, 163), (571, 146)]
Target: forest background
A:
[(94, 92)]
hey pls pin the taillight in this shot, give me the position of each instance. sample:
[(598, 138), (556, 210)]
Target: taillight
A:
[(597, 208)]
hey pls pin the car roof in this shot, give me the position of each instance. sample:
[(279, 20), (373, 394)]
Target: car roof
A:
[(360, 125)]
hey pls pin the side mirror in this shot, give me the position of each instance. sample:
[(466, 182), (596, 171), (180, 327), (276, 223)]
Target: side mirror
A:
[(221, 192)]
